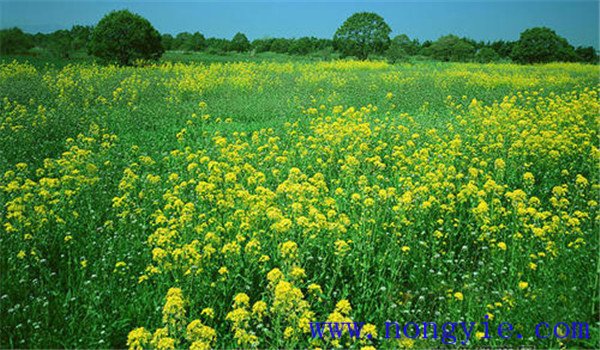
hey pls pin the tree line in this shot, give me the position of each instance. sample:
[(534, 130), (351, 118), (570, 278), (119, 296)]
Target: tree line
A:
[(362, 35)]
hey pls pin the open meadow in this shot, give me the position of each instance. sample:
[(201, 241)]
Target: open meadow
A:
[(229, 205)]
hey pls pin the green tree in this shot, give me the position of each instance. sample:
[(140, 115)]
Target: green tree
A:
[(239, 43), (80, 36), (541, 45), (362, 34), (586, 54), (503, 48), (167, 41), (451, 48), (280, 45), (122, 37), (262, 45), (60, 43), (217, 45), (14, 40), (181, 41), (303, 46), (397, 52), (190, 42), (411, 47), (196, 42), (486, 55)]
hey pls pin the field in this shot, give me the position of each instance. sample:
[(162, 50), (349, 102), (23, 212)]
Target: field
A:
[(228, 205)]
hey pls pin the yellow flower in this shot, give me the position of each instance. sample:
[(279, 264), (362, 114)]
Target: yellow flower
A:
[(196, 330), (581, 181), (343, 307), (370, 329), (259, 308), (523, 285), (407, 343), (138, 338), (208, 312), (21, 254), (297, 273), (499, 164), (200, 345), (528, 178), (289, 250), (459, 296), (288, 332), (341, 247), (314, 288), (502, 245), (166, 344), (405, 248), (241, 299), (174, 308), (275, 275)]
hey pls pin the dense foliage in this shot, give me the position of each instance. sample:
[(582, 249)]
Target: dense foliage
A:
[(542, 45), (14, 40), (362, 34), (123, 37), (451, 48)]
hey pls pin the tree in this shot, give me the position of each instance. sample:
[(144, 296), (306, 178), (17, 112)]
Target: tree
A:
[(239, 43), (303, 46), (167, 41), (586, 54), (123, 37), (13, 40), (190, 42), (503, 48), (262, 45), (60, 43), (181, 41), (486, 55), (397, 52), (80, 36), (196, 42), (411, 47), (451, 48), (217, 45), (541, 45), (362, 34), (280, 45)]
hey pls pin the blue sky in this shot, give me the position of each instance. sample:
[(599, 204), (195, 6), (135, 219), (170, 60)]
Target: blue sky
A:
[(481, 20)]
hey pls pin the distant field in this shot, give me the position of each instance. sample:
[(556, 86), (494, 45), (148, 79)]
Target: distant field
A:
[(228, 201), (42, 58)]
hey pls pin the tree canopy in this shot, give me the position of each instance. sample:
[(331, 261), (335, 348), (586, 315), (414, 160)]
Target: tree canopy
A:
[(362, 34), (240, 43), (451, 48), (542, 45), (123, 37), (13, 40)]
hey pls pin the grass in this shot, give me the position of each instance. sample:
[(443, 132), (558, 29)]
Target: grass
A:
[(227, 204)]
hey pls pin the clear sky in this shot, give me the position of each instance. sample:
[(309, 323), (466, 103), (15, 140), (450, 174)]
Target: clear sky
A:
[(480, 20)]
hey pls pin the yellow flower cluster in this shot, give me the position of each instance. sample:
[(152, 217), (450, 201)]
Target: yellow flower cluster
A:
[(176, 330)]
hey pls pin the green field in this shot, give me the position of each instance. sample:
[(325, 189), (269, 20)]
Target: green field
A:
[(227, 201)]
